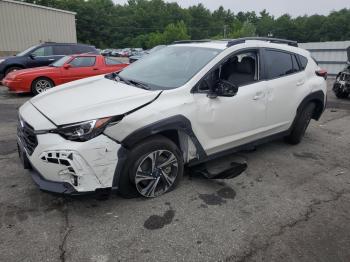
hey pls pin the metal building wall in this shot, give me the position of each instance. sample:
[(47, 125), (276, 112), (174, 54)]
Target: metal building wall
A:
[(23, 25), (331, 56)]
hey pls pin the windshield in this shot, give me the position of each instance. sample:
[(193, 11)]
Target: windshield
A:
[(27, 51), (61, 62), (170, 67)]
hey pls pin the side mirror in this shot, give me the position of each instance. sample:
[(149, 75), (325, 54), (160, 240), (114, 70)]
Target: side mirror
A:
[(223, 88), (66, 66), (32, 56)]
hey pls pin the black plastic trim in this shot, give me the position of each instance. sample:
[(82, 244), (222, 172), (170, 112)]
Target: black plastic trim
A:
[(177, 122), (267, 39), (240, 148), (315, 96)]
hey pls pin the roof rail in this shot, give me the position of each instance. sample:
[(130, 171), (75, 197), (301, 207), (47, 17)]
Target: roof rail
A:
[(191, 41), (267, 39)]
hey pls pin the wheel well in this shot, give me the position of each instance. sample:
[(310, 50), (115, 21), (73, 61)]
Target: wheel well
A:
[(14, 65), (318, 109), (172, 135)]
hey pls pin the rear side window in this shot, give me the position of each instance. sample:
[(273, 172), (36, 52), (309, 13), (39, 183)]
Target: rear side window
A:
[(80, 49), (295, 64), (303, 61), (280, 64), (110, 61), (84, 61), (62, 50)]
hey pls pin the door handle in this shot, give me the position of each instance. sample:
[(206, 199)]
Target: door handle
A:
[(300, 83), (258, 95), (95, 68), (51, 59)]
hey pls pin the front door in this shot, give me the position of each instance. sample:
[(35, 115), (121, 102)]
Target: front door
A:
[(42, 56), (222, 123)]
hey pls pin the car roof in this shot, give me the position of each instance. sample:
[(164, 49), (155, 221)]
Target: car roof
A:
[(54, 43)]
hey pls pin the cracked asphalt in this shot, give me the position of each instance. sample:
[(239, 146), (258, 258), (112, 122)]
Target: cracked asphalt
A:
[(292, 204)]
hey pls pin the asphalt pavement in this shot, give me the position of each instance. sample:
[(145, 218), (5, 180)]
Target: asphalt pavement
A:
[(291, 204)]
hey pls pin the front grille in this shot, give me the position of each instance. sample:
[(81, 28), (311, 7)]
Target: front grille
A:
[(27, 136)]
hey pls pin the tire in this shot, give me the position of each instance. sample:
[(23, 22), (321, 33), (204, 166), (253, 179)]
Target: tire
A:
[(300, 125), (12, 68), (41, 84), (341, 94), (138, 179)]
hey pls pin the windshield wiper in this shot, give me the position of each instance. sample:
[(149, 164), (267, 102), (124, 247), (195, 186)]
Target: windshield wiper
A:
[(118, 78), (139, 84)]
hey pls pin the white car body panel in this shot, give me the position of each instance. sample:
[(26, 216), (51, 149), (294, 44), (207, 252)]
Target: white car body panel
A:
[(90, 98)]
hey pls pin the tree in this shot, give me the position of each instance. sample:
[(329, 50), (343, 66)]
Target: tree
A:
[(151, 22)]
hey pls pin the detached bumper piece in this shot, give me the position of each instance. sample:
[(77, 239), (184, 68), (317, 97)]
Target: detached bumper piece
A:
[(51, 186), (219, 169)]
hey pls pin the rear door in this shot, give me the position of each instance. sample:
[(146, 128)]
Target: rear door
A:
[(80, 67), (286, 88)]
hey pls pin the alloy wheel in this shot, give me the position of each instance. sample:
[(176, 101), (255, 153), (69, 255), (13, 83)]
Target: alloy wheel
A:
[(42, 85), (156, 173)]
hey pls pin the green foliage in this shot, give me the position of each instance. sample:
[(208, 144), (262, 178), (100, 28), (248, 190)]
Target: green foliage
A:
[(146, 23)]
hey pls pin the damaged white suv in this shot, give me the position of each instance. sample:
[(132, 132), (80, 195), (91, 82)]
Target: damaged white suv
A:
[(187, 103)]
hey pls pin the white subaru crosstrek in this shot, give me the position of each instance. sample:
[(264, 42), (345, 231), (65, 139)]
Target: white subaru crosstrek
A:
[(189, 102)]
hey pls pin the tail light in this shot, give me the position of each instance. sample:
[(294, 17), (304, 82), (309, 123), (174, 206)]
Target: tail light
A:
[(321, 73)]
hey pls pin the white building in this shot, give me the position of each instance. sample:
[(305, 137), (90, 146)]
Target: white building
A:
[(23, 25)]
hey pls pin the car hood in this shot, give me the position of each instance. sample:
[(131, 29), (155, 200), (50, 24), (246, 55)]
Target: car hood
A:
[(29, 71), (91, 98), (6, 57)]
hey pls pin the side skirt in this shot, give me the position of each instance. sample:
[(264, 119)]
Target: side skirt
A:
[(239, 148)]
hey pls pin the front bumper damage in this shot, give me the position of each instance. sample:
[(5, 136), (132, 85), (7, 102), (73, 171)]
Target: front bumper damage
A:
[(66, 167)]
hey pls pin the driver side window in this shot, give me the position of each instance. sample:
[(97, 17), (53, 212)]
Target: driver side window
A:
[(240, 69)]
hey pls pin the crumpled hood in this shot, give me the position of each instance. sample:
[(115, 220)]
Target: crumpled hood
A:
[(90, 98)]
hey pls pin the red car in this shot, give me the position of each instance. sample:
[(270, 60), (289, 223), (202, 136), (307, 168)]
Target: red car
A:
[(67, 69)]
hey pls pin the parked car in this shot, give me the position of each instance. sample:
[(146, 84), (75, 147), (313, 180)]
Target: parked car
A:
[(137, 56), (125, 52), (106, 52), (341, 86), (67, 69), (183, 105), (41, 55), (116, 52)]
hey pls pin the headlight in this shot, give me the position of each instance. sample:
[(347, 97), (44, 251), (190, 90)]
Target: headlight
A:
[(2, 60), (86, 130)]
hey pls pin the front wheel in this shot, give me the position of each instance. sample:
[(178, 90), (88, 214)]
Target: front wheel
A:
[(154, 167), (41, 84), (12, 69), (300, 125)]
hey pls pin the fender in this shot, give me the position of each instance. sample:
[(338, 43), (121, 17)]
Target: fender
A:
[(177, 122), (319, 98)]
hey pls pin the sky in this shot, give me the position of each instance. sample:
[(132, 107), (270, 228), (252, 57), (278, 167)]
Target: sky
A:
[(274, 7)]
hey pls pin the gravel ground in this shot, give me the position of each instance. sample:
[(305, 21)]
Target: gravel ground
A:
[(292, 204)]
